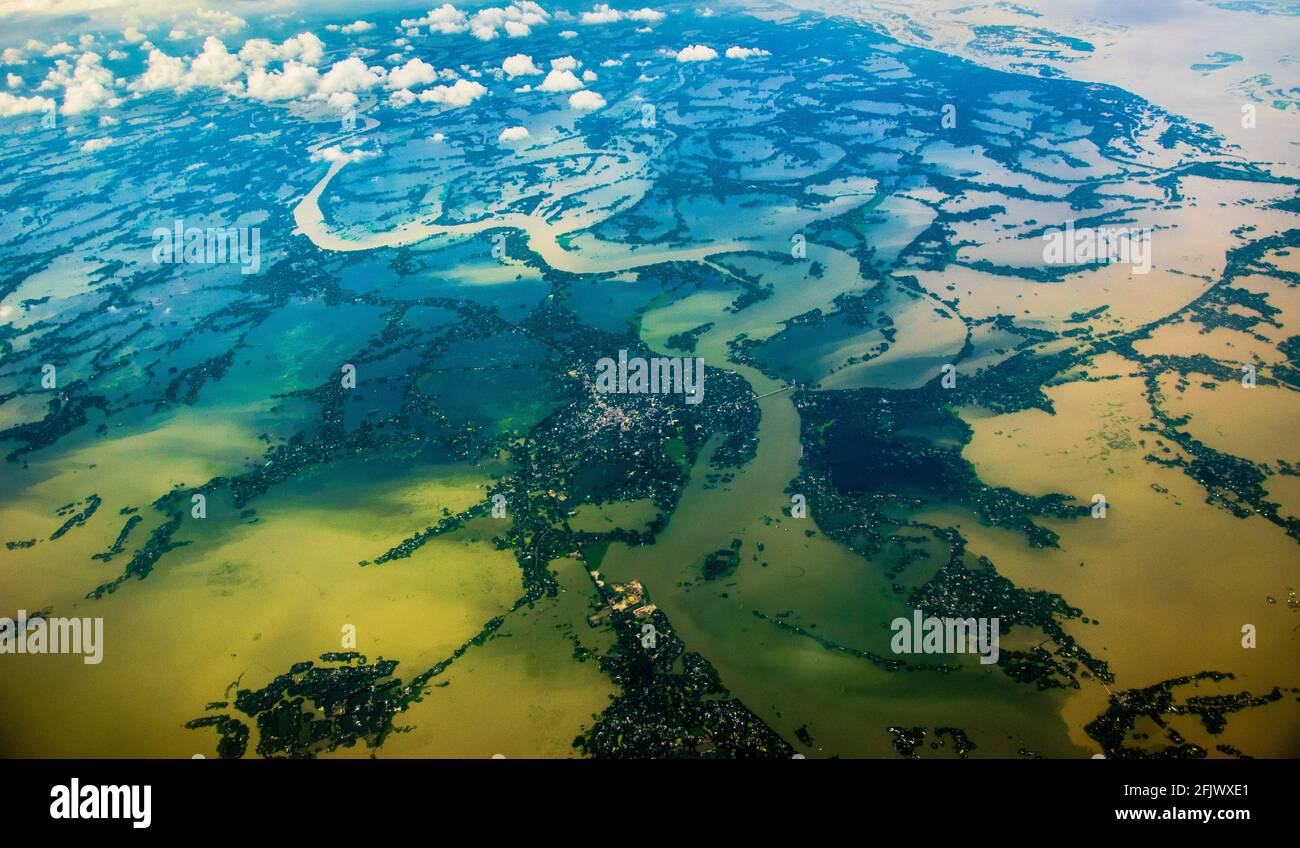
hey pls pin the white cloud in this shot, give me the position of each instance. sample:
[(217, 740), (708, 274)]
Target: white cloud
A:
[(95, 144), (162, 72), (568, 33), (341, 101), (601, 14), (12, 56), (517, 19), (116, 55), (610, 63), (63, 48), (512, 134), (745, 52), (439, 137), (354, 27), (565, 63), (85, 87), (414, 72), (520, 65), (12, 105), (214, 66), (461, 93), (349, 75), (586, 101), (310, 49), (305, 47), (296, 80), (560, 81), (588, 76), (338, 154), (401, 98), (259, 51), (446, 19), (215, 22), (133, 35), (14, 81), (697, 53)]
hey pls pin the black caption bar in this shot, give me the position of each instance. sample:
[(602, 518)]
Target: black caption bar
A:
[(137, 798)]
